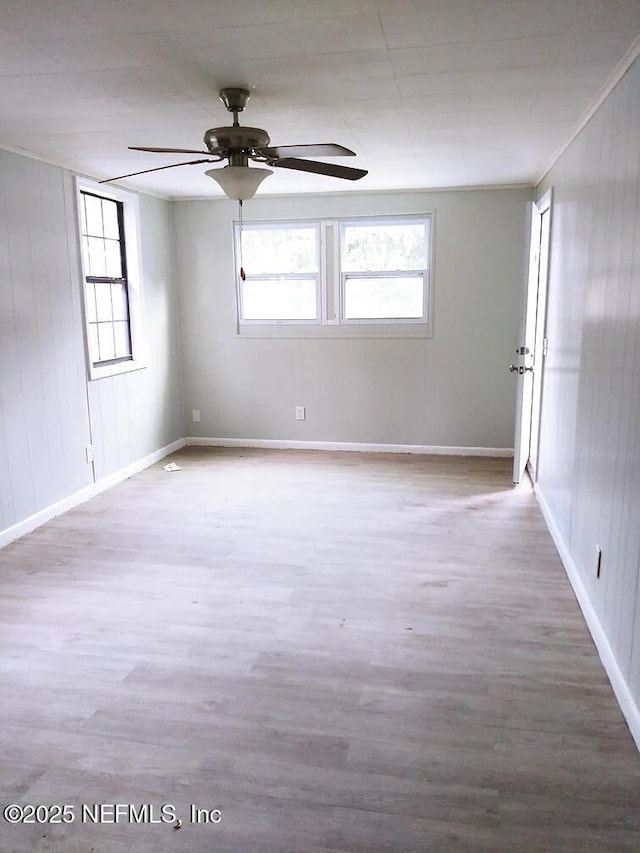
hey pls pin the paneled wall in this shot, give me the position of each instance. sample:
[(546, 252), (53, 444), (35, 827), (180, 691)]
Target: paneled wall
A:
[(44, 420), (48, 411), (453, 389), (136, 413), (589, 467)]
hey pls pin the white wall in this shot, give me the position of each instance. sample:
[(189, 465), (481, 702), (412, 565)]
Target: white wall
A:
[(47, 409), (453, 389), (589, 466)]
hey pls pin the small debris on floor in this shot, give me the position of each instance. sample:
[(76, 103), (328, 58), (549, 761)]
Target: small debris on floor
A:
[(172, 467)]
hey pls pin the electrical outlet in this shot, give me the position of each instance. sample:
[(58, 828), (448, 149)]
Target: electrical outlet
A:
[(301, 414), (195, 416), (598, 560)]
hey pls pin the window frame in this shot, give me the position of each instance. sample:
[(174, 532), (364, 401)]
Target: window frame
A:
[(330, 288), (257, 225), (424, 319), (130, 224)]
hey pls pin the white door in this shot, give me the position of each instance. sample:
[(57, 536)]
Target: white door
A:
[(540, 342), (531, 340)]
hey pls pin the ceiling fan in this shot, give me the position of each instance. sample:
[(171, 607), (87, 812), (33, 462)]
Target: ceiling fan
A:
[(239, 144)]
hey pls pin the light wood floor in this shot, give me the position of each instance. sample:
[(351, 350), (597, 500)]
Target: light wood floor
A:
[(341, 652)]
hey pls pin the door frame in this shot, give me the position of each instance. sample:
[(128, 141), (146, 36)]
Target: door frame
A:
[(544, 206), (530, 329)]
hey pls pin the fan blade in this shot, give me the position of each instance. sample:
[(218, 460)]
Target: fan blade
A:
[(331, 169), (158, 169), (169, 150), (329, 149)]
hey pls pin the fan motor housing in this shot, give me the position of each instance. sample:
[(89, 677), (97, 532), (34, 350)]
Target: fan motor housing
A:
[(235, 138)]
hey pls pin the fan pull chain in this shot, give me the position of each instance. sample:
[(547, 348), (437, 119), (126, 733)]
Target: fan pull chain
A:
[(242, 273)]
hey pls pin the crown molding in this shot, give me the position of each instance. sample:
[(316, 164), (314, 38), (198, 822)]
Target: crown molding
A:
[(30, 155), (525, 185)]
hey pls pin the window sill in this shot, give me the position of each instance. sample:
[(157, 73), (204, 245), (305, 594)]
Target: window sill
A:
[(115, 369), (353, 331)]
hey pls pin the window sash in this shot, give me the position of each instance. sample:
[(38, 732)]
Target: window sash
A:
[(395, 274), (299, 225), (308, 275), (114, 322), (314, 277)]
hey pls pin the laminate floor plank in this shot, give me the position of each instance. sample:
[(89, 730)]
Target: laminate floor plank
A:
[(344, 653)]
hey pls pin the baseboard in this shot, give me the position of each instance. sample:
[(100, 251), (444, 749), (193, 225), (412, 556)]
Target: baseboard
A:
[(42, 516), (626, 701), (46, 514), (286, 444), (139, 465)]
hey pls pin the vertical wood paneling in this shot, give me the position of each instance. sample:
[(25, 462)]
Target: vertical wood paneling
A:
[(134, 414), (590, 438), (45, 403), (43, 408)]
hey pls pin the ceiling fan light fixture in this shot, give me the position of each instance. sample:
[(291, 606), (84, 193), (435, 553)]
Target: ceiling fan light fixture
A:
[(239, 182)]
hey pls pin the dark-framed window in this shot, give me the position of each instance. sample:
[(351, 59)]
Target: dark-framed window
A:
[(106, 282)]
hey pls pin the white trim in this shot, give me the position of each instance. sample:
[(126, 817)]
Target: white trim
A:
[(132, 239), (616, 76), (518, 185), (628, 706), (544, 202), (366, 447), (138, 465), (49, 512), (331, 329), (61, 164), (46, 514)]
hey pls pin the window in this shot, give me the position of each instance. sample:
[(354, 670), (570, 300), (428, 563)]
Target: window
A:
[(335, 277), (108, 235), (283, 277), (383, 268)]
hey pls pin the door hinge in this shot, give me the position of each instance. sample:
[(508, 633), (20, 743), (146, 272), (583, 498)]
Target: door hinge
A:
[(545, 346)]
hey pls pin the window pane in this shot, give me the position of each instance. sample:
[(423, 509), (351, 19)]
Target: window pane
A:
[(279, 299), (91, 302), (104, 310), (383, 247), (383, 298), (105, 341), (114, 259), (97, 261), (280, 250), (121, 336), (83, 213), (94, 350), (94, 216), (110, 218), (86, 258), (119, 302)]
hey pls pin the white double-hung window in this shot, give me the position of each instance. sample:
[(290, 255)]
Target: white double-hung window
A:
[(339, 277), (384, 268), (280, 280)]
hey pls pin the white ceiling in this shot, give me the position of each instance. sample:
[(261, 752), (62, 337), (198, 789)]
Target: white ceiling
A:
[(429, 93)]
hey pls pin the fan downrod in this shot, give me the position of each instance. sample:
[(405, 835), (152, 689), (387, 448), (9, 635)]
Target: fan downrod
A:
[(235, 100)]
